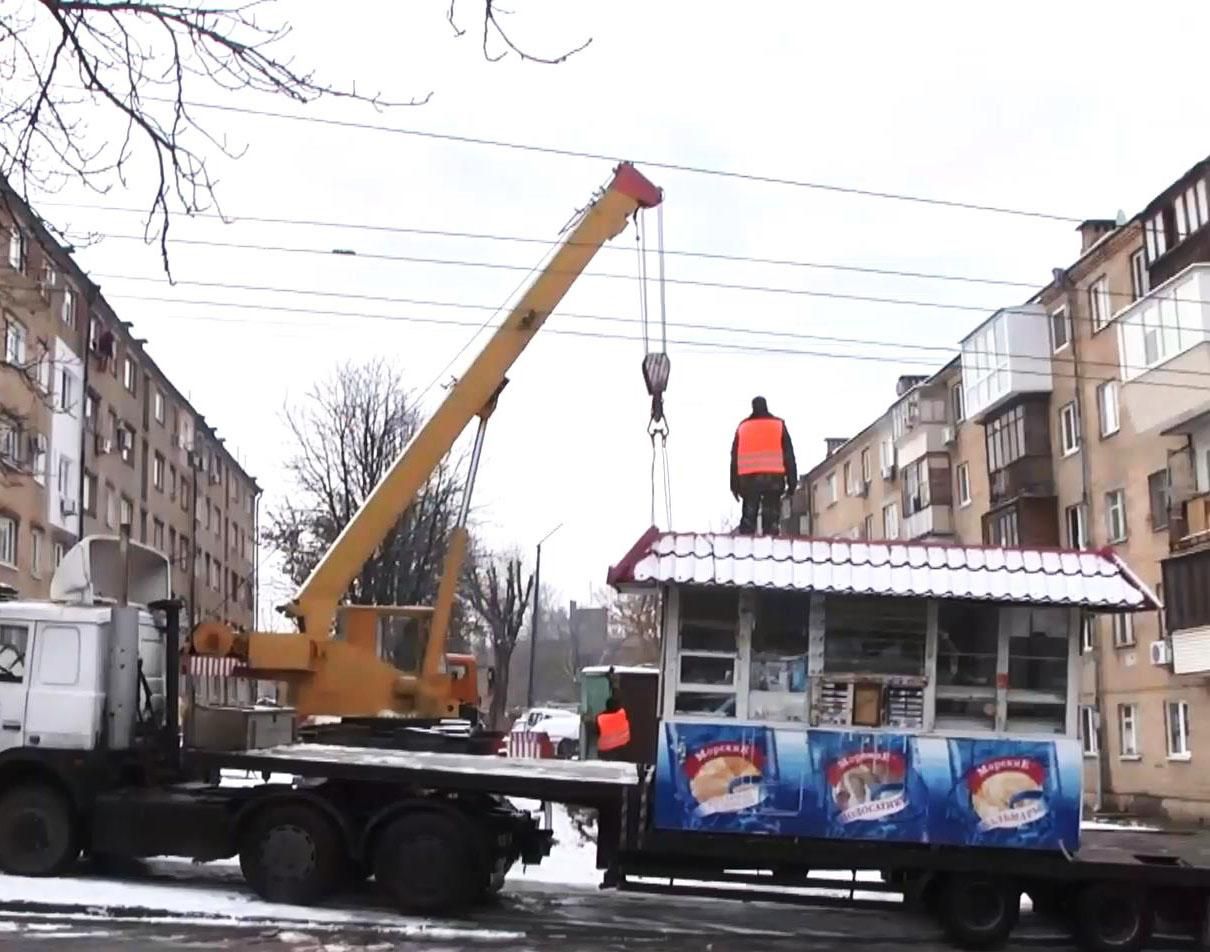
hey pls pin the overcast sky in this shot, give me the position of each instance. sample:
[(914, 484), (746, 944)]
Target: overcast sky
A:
[(1072, 109)]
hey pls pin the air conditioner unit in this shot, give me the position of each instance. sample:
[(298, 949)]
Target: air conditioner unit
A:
[(1161, 652), (888, 472), (67, 506), (949, 435)]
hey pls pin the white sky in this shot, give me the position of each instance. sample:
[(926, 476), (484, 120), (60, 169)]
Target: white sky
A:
[(1054, 107)]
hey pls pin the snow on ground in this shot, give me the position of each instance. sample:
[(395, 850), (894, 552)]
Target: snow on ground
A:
[(573, 857)]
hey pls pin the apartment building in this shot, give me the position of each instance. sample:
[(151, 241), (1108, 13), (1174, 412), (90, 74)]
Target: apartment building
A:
[(93, 435), (1080, 418)]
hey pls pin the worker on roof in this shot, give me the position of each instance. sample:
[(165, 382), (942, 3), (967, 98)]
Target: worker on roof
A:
[(762, 468)]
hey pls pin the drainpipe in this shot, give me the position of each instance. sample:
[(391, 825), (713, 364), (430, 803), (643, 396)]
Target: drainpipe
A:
[(1071, 300)]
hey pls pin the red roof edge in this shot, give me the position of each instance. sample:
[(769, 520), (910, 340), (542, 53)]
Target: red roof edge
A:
[(623, 572), (1129, 574)]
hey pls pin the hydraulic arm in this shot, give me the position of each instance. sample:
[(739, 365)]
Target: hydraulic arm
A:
[(345, 676)]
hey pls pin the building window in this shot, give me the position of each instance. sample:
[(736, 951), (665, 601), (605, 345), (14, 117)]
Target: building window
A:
[(157, 535), (957, 404), (1123, 630), (1177, 729), (126, 513), (1190, 210), (65, 480), (47, 280), (849, 488), (111, 506), (60, 550), (16, 248), (1088, 634), (157, 472), (866, 474), (158, 407), (185, 495), (67, 307), (14, 342), (916, 488), (1107, 406), (1077, 526), (1069, 428), (8, 541), (130, 375), (126, 444), (1060, 330), (1128, 730), (90, 494), (66, 391), (1158, 492), (1115, 515), (1003, 530), (867, 532), (890, 521), (964, 484), (831, 496), (1006, 439), (37, 539), (90, 407), (1157, 241), (1140, 278), (1099, 305), (1088, 731)]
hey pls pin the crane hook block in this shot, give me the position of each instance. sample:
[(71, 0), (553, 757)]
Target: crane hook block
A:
[(656, 368)]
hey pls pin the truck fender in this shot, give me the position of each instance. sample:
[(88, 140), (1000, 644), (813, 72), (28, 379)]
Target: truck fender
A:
[(389, 814), (256, 804), (21, 766)]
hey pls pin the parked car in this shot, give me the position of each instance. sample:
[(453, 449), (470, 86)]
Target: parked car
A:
[(560, 725)]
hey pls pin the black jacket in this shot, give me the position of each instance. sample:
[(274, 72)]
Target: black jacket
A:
[(787, 452)]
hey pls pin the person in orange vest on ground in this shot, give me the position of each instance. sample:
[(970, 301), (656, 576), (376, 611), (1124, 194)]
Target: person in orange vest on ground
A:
[(612, 725), (762, 468)]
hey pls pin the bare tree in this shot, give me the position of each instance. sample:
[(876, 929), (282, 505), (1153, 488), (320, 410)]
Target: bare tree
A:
[(500, 598), (71, 68), (634, 623), (346, 434)]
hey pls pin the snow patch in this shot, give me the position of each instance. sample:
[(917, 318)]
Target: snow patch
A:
[(573, 857)]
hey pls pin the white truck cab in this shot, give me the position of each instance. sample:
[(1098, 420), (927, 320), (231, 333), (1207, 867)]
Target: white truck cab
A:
[(55, 655)]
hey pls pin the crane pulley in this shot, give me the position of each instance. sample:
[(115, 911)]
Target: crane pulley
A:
[(656, 364)]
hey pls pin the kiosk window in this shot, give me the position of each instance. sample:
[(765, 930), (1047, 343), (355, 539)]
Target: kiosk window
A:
[(883, 636), (968, 635), (1037, 672), (707, 652), (777, 689)]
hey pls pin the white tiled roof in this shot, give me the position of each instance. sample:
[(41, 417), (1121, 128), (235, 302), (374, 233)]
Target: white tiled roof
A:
[(1096, 579)]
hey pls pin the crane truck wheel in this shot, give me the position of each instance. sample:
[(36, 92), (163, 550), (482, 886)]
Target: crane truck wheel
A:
[(1113, 917), (977, 911), (291, 853), (39, 832), (426, 864)]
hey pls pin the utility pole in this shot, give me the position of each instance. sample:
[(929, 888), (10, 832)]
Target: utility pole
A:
[(533, 631)]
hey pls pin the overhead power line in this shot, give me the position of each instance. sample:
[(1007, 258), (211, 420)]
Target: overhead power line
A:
[(939, 348), (641, 162)]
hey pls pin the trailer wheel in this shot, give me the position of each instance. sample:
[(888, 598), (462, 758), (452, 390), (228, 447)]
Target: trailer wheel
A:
[(1113, 917), (425, 864), (39, 833), (976, 911), (292, 854)]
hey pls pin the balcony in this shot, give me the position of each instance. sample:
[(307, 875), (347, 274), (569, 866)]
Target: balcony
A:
[(1007, 356), (1027, 476), (1186, 592), (1164, 343), (918, 423), (929, 522)]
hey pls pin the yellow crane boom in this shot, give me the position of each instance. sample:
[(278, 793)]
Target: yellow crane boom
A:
[(345, 676)]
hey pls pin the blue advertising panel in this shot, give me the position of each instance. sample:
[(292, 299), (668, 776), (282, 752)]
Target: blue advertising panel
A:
[(869, 785)]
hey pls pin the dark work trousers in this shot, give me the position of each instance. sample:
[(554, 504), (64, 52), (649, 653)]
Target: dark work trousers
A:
[(761, 495)]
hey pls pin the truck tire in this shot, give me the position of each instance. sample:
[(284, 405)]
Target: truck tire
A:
[(292, 853), (39, 831), (1113, 917), (977, 911), (425, 863)]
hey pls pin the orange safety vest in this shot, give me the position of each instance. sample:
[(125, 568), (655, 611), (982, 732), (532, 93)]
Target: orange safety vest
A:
[(613, 730), (759, 452)]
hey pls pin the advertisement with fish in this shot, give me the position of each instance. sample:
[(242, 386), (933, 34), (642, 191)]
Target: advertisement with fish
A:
[(872, 785)]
